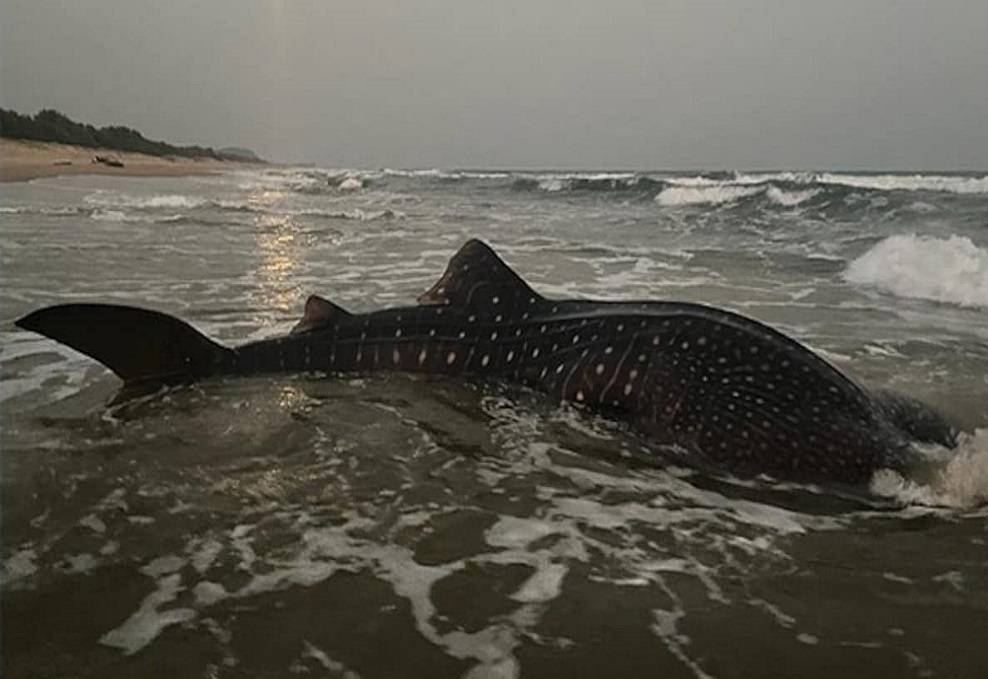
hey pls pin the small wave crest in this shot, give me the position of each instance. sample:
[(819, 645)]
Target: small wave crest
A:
[(356, 214), (121, 200), (713, 194), (951, 270), (790, 198), (917, 182), (47, 211), (789, 189), (960, 184), (111, 216)]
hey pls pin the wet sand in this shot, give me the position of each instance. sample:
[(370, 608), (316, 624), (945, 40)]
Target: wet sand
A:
[(24, 160)]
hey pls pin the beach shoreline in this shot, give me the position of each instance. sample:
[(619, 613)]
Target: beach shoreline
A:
[(23, 160)]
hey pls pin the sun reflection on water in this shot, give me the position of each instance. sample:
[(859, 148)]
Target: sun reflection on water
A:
[(280, 246)]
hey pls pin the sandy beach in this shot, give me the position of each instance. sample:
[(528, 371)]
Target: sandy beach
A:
[(24, 160)]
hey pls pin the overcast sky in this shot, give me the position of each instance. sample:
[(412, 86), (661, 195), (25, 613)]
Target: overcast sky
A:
[(896, 84)]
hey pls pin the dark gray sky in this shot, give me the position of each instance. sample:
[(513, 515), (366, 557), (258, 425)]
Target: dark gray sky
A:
[(893, 84)]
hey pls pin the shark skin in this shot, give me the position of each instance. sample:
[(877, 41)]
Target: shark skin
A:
[(729, 390)]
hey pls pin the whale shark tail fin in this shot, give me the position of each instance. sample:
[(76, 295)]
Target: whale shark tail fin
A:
[(138, 345), (477, 277)]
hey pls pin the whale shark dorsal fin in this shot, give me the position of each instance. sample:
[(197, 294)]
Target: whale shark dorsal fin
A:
[(319, 312), (476, 275)]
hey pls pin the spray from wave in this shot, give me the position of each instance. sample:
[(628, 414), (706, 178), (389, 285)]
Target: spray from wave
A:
[(951, 270), (961, 483)]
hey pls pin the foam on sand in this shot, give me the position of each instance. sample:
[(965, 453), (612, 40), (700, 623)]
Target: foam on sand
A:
[(952, 270)]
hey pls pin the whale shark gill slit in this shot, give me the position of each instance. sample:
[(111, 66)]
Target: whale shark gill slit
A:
[(727, 389)]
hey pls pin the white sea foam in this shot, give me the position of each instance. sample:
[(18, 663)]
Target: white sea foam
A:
[(879, 182), (145, 624), (113, 199), (110, 216), (964, 481), (714, 194), (103, 215), (66, 377), (916, 182), (952, 270), (163, 565), (789, 198), (552, 184), (357, 214), (93, 523), (18, 566), (739, 179), (54, 210), (169, 201), (80, 563), (350, 179), (441, 174), (961, 483)]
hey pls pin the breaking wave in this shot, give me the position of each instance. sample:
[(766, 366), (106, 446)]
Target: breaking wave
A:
[(58, 211), (951, 270), (960, 184), (357, 214), (790, 198), (715, 194), (130, 209), (117, 200), (916, 182), (962, 482), (596, 182), (785, 189)]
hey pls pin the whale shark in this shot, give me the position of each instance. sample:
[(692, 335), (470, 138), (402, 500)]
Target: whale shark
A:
[(721, 388)]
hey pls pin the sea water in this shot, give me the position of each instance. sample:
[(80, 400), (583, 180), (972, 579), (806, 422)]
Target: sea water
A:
[(390, 526)]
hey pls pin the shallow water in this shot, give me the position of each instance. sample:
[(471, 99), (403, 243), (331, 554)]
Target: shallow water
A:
[(390, 526)]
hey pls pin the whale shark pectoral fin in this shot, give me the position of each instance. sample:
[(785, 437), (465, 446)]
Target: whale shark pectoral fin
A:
[(139, 345), (476, 275), (318, 313)]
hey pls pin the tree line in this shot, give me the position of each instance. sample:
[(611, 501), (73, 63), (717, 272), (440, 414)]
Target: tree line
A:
[(51, 125)]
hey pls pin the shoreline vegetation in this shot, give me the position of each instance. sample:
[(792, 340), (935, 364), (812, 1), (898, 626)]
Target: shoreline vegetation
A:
[(50, 144)]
